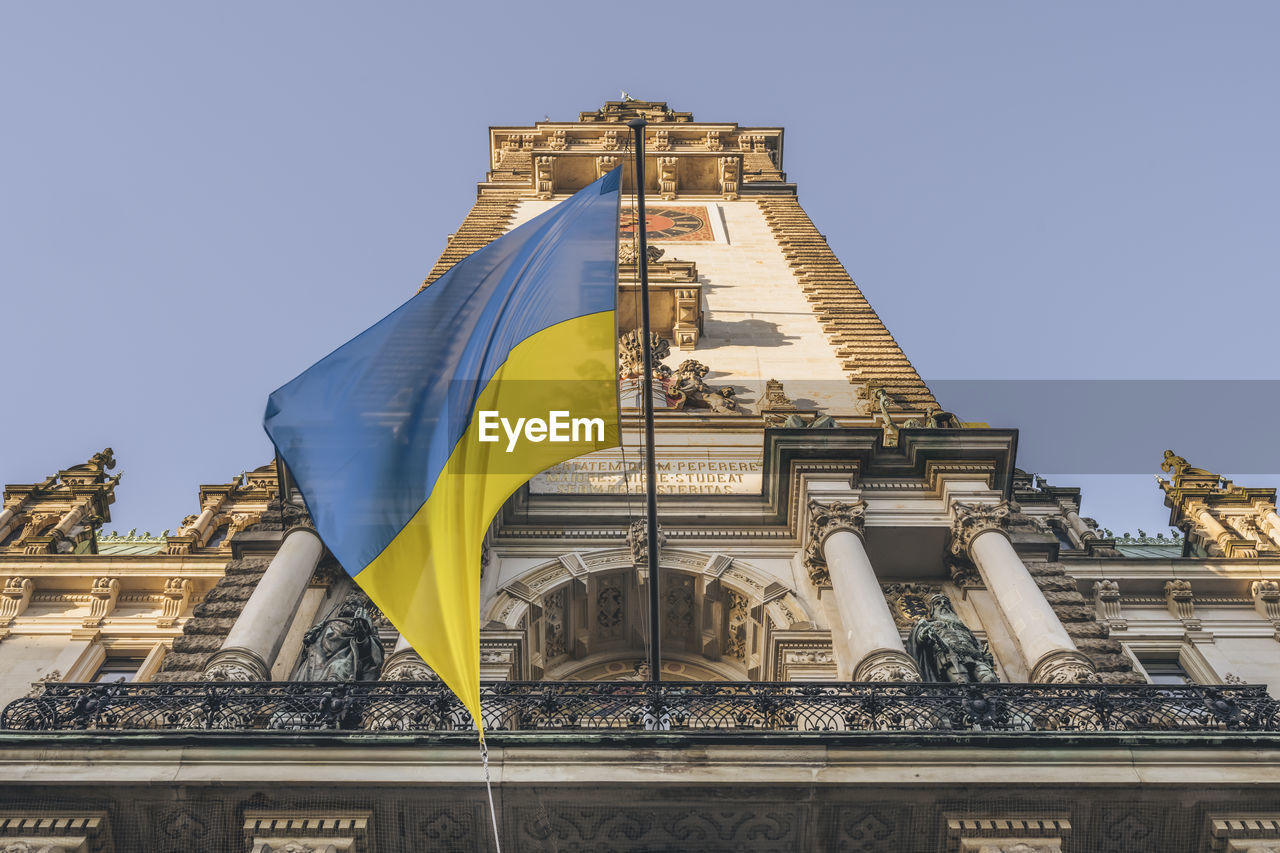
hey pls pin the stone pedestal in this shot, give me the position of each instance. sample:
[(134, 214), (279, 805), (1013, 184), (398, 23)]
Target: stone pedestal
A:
[(255, 639)]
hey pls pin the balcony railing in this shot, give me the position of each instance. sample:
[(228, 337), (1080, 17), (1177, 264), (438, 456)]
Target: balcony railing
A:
[(670, 707)]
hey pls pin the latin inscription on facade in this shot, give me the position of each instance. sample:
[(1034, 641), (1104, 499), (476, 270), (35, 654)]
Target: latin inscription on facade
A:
[(675, 477)]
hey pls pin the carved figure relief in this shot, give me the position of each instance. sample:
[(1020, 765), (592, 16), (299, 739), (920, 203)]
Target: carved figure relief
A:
[(629, 252), (735, 644), (631, 356), (605, 164), (553, 615), (909, 602), (729, 171), (544, 182), (946, 650), (678, 618), (689, 390), (609, 608), (667, 177)]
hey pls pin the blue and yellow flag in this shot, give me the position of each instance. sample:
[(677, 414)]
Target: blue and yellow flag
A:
[(406, 440)]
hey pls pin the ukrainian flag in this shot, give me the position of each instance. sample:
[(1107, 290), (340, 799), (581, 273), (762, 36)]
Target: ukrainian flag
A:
[(383, 436)]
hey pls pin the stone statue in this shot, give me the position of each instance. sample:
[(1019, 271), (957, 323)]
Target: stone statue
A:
[(689, 390), (946, 650), (344, 647), (1180, 468)]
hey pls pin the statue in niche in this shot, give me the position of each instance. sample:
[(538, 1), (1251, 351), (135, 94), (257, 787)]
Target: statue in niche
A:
[(343, 647), (946, 650)]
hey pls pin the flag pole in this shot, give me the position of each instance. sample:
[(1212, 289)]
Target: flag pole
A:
[(650, 463)]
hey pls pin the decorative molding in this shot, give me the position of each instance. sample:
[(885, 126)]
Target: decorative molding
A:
[(667, 180), (1181, 603), (102, 600), (638, 542), (544, 176), (53, 676), (801, 656), (730, 173), (1016, 833), (307, 831), (1244, 833), (174, 599), (1106, 602), (1266, 600), (49, 831), (606, 163), (14, 599)]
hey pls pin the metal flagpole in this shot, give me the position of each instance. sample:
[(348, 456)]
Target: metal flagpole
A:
[(650, 463)]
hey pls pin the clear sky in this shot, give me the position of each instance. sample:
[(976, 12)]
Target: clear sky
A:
[(198, 201)]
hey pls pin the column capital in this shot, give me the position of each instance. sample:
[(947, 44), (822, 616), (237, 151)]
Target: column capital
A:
[(972, 520), (824, 520)]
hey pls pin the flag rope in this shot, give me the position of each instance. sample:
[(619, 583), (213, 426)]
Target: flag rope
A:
[(488, 784)]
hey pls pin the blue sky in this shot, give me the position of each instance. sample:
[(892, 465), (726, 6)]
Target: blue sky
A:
[(197, 201)]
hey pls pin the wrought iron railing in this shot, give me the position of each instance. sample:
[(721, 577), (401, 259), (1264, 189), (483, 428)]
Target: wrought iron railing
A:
[(671, 707)]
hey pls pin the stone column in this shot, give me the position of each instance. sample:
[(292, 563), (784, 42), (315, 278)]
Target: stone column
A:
[(70, 520), (978, 533), (207, 514), (1272, 520), (259, 631), (7, 515), (404, 664), (1071, 513), (835, 555), (1225, 543)]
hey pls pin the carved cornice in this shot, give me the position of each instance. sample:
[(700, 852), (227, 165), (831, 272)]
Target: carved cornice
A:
[(37, 830), (1007, 833), (1231, 833), (308, 831)]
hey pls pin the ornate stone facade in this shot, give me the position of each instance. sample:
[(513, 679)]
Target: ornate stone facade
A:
[(817, 505)]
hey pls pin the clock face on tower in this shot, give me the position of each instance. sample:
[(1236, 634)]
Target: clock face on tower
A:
[(669, 223)]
